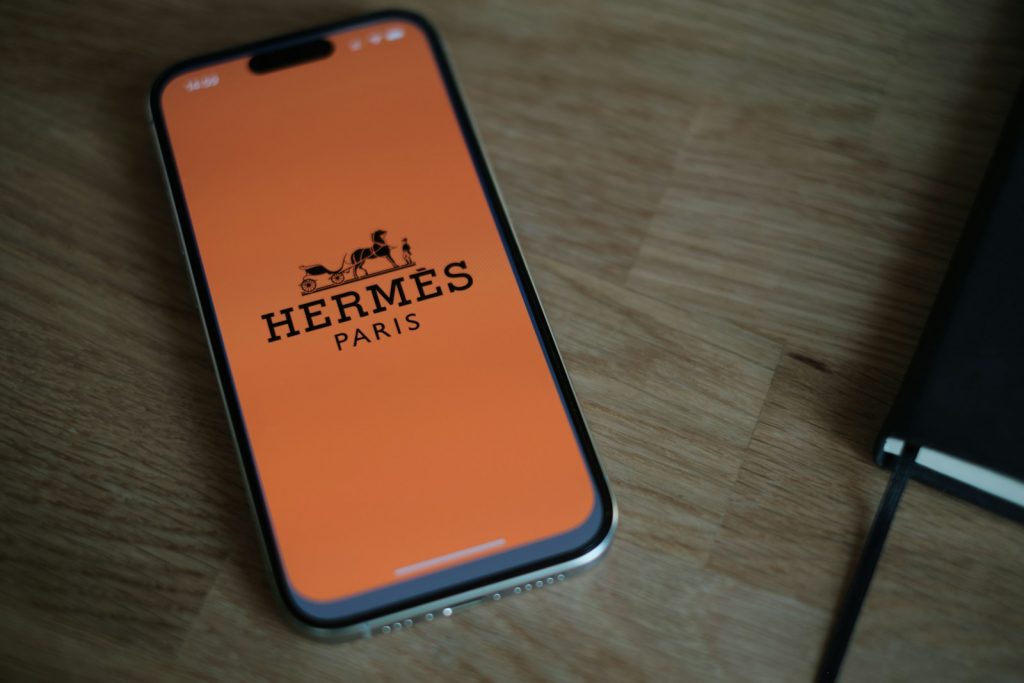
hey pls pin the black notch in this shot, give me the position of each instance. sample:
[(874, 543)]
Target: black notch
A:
[(290, 56)]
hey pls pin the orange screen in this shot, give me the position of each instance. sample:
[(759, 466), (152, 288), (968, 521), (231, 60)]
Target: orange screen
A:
[(396, 398)]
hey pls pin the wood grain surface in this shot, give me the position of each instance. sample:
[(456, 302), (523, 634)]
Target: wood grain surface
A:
[(737, 214)]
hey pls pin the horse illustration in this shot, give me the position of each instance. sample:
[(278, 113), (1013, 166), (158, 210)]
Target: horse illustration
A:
[(352, 263), (378, 249)]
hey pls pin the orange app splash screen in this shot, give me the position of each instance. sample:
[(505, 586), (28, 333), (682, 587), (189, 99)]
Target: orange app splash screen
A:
[(396, 398)]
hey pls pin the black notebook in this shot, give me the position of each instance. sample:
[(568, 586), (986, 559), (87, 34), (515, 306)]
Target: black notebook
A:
[(962, 401), (958, 422)]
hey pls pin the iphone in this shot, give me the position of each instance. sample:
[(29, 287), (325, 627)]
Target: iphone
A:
[(406, 429)]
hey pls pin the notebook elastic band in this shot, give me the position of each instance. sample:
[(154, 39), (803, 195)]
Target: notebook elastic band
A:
[(846, 620)]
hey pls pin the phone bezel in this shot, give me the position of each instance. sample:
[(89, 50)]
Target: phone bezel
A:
[(568, 560)]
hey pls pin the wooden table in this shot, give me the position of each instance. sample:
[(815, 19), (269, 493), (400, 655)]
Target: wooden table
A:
[(737, 214)]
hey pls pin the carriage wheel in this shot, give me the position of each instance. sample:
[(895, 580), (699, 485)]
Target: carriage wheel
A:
[(337, 278), (308, 285)]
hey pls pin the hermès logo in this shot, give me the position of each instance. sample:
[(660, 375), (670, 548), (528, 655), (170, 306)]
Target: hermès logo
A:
[(371, 299)]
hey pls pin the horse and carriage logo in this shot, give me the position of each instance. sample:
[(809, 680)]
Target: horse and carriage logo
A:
[(318, 277)]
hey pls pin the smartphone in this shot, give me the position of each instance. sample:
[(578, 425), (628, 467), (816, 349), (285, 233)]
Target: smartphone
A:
[(407, 431)]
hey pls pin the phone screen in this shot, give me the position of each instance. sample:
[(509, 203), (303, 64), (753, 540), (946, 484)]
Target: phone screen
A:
[(396, 397)]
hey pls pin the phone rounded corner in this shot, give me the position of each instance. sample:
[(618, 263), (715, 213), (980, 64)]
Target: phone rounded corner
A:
[(317, 630), (305, 623), (154, 96), (597, 544), (411, 16)]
